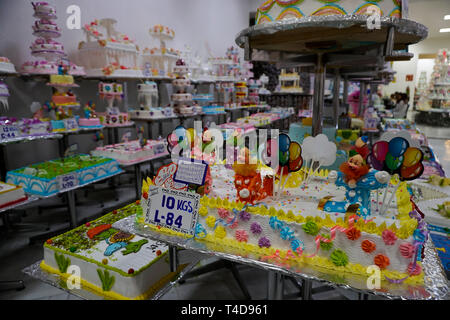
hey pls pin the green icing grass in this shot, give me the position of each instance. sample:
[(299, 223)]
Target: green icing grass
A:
[(54, 168), (106, 279), (62, 262)]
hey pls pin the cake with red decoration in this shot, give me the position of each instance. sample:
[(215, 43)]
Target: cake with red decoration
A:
[(275, 10), (106, 52), (11, 194), (111, 263), (289, 214)]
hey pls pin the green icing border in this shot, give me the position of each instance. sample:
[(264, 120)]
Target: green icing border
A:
[(105, 266)]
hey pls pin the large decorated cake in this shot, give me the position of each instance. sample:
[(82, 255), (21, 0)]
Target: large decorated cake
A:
[(113, 264), (51, 177), (132, 151), (11, 194), (297, 215), (110, 53), (274, 10)]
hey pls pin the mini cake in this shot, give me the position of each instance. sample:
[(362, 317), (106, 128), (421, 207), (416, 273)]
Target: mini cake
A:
[(274, 10), (113, 264), (132, 151), (47, 178), (6, 66), (91, 120), (289, 81), (10, 194), (110, 54)]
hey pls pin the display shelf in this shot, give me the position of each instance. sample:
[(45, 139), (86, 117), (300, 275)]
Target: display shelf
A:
[(139, 161), (55, 280), (153, 119), (332, 33), (29, 200), (81, 130), (125, 125), (435, 286), (31, 138)]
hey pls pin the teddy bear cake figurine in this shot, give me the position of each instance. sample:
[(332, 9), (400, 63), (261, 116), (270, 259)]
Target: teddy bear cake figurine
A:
[(249, 185), (357, 178)]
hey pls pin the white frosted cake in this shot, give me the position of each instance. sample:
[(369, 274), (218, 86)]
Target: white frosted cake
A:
[(6, 66), (10, 194), (273, 10), (113, 264), (131, 151)]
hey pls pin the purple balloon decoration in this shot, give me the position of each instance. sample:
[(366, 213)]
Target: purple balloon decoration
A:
[(374, 163)]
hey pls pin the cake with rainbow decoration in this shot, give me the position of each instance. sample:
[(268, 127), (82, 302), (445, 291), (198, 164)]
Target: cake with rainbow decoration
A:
[(275, 10), (334, 222)]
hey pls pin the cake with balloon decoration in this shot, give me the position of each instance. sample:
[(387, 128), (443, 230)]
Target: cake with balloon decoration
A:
[(277, 204), (276, 10)]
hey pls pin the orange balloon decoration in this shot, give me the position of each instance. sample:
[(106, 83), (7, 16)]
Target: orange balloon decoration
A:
[(412, 156)]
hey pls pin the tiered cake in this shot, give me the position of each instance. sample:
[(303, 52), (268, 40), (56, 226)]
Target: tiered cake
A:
[(113, 54), (113, 117), (50, 51), (181, 99)]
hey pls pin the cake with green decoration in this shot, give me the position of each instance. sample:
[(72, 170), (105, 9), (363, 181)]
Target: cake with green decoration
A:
[(276, 10), (110, 263), (50, 177)]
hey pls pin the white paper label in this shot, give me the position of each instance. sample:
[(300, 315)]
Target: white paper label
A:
[(191, 172), (68, 181), (9, 132), (173, 209)]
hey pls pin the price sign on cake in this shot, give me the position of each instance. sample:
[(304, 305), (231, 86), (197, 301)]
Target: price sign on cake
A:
[(173, 209), (191, 172), (67, 181), (8, 132)]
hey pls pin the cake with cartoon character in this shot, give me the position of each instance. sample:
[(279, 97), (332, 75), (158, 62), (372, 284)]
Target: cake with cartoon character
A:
[(275, 10), (296, 215), (113, 94), (112, 264)]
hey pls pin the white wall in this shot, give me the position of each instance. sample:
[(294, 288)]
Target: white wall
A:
[(194, 21)]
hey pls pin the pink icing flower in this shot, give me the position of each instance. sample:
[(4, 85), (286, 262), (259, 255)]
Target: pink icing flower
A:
[(414, 270), (241, 235), (407, 250), (223, 213), (234, 224), (389, 237)]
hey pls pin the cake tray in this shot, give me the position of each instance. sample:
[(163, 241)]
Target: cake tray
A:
[(435, 286), (30, 199), (55, 280), (321, 34)]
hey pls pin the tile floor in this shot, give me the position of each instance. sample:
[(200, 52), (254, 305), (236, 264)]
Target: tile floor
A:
[(17, 253)]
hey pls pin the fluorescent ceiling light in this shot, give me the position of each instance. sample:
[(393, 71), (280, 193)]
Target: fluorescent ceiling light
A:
[(445, 30), (447, 17)]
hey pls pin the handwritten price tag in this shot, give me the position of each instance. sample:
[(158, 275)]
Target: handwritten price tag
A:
[(191, 172), (8, 132), (67, 181), (173, 209)]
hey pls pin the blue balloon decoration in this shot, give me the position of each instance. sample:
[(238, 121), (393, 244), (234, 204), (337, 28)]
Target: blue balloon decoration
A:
[(398, 146), (283, 142)]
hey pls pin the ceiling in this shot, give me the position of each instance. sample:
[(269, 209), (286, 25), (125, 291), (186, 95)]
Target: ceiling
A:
[(431, 14)]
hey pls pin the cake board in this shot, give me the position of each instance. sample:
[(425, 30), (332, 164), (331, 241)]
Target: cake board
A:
[(435, 286), (35, 271)]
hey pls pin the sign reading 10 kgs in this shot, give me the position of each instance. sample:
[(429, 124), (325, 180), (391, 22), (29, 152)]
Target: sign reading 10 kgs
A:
[(173, 209)]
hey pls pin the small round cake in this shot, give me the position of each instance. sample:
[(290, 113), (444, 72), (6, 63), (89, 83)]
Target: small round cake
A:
[(6, 65), (40, 67), (43, 10), (46, 26)]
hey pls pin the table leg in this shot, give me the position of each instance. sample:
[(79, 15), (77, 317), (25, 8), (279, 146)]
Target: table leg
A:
[(138, 175), (173, 258), (306, 289), (275, 286), (3, 161), (72, 208)]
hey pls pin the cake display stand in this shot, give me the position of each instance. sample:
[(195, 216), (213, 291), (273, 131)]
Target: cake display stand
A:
[(337, 41), (435, 286)]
